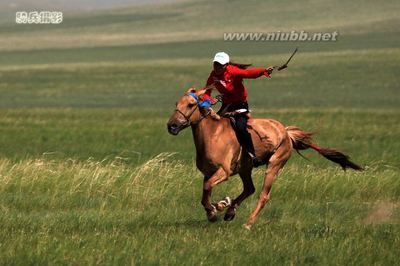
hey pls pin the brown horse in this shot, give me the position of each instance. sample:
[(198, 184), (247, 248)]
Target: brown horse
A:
[(219, 154)]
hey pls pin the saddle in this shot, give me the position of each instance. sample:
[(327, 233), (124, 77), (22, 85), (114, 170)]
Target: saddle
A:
[(260, 132), (232, 115)]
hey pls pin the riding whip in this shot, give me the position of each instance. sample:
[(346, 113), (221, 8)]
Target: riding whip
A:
[(285, 65)]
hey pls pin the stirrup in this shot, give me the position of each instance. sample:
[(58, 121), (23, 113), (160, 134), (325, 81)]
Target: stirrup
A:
[(255, 160)]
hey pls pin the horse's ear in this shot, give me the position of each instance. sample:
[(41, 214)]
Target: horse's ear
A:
[(200, 93), (191, 90)]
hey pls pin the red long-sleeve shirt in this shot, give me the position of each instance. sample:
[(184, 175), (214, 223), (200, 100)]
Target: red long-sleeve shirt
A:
[(230, 83)]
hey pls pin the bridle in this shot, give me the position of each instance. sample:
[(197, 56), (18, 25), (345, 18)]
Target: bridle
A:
[(188, 122), (187, 118)]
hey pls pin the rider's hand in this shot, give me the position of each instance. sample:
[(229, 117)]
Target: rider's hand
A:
[(219, 98), (213, 100), (268, 71)]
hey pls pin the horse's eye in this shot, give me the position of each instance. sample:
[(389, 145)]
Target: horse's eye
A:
[(190, 105)]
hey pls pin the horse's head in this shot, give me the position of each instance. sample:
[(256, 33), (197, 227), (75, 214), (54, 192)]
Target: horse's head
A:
[(187, 112)]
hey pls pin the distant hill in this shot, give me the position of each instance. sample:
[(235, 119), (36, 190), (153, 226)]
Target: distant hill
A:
[(166, 21), (74, 4)]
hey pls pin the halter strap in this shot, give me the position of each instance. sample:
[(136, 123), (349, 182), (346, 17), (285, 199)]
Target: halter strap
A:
[(199, 104), (205, 103), (194, 95)]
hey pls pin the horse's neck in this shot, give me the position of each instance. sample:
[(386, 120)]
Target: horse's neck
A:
[(200, 131), (203, 132)]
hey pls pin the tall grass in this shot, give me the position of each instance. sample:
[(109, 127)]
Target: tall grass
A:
[(89, 184), (108, 212)]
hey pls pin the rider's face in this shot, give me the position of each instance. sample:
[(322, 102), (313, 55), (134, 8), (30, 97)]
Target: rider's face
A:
[(218, 68)]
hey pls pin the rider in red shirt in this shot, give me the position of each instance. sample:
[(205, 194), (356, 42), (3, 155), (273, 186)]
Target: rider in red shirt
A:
[(227, 77)]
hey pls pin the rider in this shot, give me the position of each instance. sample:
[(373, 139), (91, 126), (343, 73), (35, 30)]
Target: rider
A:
[(227, 77)]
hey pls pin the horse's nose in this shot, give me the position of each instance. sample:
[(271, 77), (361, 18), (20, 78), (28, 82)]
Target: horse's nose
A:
[(172, 128)]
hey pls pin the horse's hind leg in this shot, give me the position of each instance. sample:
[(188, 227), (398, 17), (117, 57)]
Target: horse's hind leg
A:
[(219, 176), (248, 189), (276, 162)]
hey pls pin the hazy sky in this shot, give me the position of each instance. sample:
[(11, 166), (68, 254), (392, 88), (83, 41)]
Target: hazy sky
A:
[(26, 5)]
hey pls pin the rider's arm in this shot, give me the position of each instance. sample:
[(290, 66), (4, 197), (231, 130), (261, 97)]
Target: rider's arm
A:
[(250, 73), (207, 93)]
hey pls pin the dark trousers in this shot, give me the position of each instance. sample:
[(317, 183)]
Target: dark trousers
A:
[(242, 134), (241, 131)]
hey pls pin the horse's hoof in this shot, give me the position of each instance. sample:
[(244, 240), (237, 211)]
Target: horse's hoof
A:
[(230, 214), (247, 226), (212, 215), (212, 218)]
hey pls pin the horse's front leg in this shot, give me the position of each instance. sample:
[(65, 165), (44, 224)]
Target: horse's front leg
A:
[(219, 176)]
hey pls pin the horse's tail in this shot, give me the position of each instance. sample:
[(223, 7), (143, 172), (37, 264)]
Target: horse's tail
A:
[(303, 140)]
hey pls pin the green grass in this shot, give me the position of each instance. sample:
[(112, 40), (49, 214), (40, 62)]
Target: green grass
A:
[(368, 135), (106, 212), (89, 174)]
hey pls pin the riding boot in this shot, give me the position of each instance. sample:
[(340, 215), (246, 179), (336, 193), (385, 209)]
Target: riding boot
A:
[(256, 161), (250, 150)]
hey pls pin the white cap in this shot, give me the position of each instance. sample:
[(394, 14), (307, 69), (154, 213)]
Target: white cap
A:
[(222, 58)]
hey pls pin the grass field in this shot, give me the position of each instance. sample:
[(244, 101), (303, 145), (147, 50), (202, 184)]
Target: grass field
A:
[(89, 174)]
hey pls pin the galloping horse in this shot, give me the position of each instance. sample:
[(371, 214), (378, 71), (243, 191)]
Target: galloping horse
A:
[(219, 154)]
